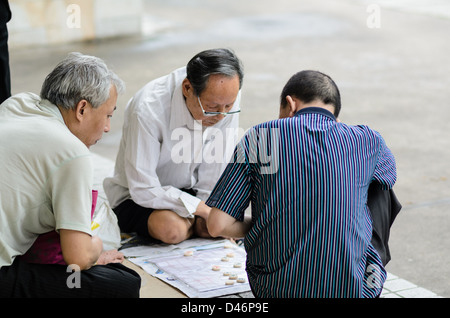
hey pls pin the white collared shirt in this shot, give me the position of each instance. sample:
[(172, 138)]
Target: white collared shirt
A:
[(163, 150)]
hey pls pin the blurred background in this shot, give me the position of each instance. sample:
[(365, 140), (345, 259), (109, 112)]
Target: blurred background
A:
[(389, 58)]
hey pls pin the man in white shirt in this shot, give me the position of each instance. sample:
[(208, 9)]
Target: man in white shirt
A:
[(179, 131), (46, 184)]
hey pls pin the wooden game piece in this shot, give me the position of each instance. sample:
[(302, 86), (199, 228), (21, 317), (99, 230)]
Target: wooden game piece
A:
[(241, 280), (216, 268), (189, 253)]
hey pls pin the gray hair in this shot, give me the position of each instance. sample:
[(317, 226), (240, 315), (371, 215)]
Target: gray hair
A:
[(79, 77), (210, 62)]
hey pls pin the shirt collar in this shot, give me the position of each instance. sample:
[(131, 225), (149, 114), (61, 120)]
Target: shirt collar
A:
[(50, 108), (179, 113), (315, 110)]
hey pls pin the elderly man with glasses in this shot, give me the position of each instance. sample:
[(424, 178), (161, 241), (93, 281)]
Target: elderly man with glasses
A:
[(176, 133)]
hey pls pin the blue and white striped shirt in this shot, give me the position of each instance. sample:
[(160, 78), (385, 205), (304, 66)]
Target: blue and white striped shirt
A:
[(306, 178)]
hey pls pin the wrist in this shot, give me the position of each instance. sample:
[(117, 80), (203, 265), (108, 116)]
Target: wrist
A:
[(202, 210)]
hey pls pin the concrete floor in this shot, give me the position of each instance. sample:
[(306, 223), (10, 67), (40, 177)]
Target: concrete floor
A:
[(393, 78)]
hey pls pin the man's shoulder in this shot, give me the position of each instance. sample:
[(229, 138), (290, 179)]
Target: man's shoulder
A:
[(285, 126), (360, 130), (157, 93), (59, 141), (163, 85), (19, 101), (358, 135)]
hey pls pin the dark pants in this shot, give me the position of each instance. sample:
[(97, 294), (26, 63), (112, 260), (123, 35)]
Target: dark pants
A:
[(132, 218), (22, 279), (5, 77)]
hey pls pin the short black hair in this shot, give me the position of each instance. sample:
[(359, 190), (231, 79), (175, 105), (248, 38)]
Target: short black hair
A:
[(310, 85), (214, 61)]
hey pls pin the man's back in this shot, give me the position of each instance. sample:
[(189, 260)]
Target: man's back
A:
[(311, 227), (43, 169)]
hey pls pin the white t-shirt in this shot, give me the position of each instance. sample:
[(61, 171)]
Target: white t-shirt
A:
[(163, 149), (46, 175)]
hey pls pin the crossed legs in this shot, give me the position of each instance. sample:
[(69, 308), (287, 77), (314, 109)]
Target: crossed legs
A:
[(164, 225)]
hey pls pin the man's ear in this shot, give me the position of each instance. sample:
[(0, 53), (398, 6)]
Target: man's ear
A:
[(80, 110), (187, 87), (292, 104)]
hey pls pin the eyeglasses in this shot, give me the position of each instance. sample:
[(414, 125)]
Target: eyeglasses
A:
[(216, 113)]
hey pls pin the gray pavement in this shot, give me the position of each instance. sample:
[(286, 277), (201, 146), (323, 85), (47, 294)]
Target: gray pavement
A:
[(393, 77)]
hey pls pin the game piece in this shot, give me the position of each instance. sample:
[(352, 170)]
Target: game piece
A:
[(241, 280), (216, 268), (237, 265), (189, 253)]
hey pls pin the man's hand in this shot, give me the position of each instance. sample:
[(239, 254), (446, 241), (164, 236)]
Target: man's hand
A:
[(112, 256)]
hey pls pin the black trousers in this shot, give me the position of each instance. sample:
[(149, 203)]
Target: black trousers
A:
[(132, 218), (26, 280), (5, 77)]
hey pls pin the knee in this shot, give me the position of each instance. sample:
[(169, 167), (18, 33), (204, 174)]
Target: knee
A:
[(113, 280), (172, 235), (169, 227)]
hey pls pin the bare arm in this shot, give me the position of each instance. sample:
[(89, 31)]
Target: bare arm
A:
[(80, 248), (110, 256), (222, 224), (203, 210)]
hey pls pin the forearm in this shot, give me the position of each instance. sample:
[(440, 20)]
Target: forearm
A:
[(166, 198), (80, 248), (203, 210), (224, 225), (236, 230)]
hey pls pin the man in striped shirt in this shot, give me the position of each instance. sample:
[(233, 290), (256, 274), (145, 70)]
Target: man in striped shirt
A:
[(306, 176)]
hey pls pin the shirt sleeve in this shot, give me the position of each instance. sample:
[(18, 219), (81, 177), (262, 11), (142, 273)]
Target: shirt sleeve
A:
[(385, 170), (70, 189), (141, 159), (233, 190)]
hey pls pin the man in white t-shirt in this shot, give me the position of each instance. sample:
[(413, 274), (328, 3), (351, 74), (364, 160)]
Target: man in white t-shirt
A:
[(179, 131), (46, 183)]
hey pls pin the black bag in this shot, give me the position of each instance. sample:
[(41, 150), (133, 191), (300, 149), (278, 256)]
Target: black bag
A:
[(384, 207)]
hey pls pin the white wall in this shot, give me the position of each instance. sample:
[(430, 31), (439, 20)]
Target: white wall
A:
[(48, 22)]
